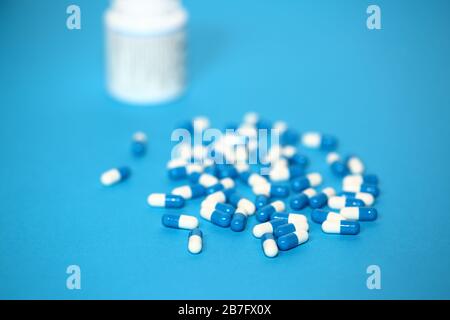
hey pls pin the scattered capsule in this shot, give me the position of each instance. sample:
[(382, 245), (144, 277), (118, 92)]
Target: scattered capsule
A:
[(223, 184), (179, 169), (316, 140), (252, 179), (179, 221), (261, 201), (308, 181), (361, 214), (239, 220), (292, 240), (190, 191), (267, 227), (287, 136), (289, 228), (219, 196), (265, 212), (367, 198), (269, 245), (365, 188), (115, 175), (271, 190), (358, 179), (320, 215), (321, 199), (226, 171), (241, 202), (204, 179), (165, 200), (300, 201), (340, 227), (338, 167), (219, 218), (139, 144), (195, 241), (224, 207), (339, 202), (294, 158), (284, 173), (355, 165), (294, 218)]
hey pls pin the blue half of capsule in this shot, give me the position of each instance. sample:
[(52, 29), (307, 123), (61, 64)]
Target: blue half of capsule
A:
[(368, 214), (289, 137), (328, 142), (261, 201), (124, 172), (279, 191), (196, 232), (353, 202), (319, 215), (299, 159), (339, 168), (138, 148), (370, 179), (349, 227), (264, 213), (299, 201), (284, 229), (214, 188), (177, 173), (225, 207), (174, 201), (318, 201), (226, 171), (296, 171), (244, 175), (288, 241), (300, 184), (238, 222), (221, 219), (369, 188)]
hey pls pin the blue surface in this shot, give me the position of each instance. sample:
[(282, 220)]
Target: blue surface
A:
[(385, 94)]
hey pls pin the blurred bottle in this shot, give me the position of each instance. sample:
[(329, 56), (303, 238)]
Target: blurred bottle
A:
[(146, 50)]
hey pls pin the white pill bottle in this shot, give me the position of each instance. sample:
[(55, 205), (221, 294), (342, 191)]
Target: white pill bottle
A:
[(145, 50)]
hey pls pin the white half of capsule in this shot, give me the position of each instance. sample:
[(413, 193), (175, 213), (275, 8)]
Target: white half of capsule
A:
[(289, 151), (314, 179), (262, 189), (310, 192), (242, 167), (350, 213), (280, 126), (354, 179), (215, 197), (367, 198), (331, 226), (200, 123), (355, 165), (177, 162), (140, 137), (206, 212), (280, 173), (195, 244), (270, 248), (337, 202), (351, 188), (183, 191), (110, 177), (187, 222), (247, 205), (262, 228), (278, 205), (311, 139), (334, 216), (256, 179), (332, 157), (207, 180), (227, 183), (194, 167), (302, 236), (297, 219), (157, 199), (330, 192), (251, 118)]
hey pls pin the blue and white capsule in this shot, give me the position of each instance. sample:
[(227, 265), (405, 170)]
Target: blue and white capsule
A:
[(292, 240), (269, 245), (224, 207), (355, 165), (240, 202), (358, 179), (293, 157), (205, 179), (284, 172), (294, 218), (367, 198), (239, 220), (265, 212), (339, 202), (114, 176), (337, 165), (267, 227), (289, 228), (311, 180), (163, 200), (223, 184), (179, 221), (226, 171), (287, 135), (195, 241), (359, 214), (344, 227), (219, 196), (261, 201), (365, 188), (301, 201), (219, 218), (321, 199), (190, 191), (179, 169), (139, 144), (315, 140), (271, 190), (321, 215), (252, 179)]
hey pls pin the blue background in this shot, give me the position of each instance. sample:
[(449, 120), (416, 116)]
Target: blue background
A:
[(384, 93)]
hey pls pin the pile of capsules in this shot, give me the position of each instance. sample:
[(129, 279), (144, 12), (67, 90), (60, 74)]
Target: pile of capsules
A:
[(284, 175)]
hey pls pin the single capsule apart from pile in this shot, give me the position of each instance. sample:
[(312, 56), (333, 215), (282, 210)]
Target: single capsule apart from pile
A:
[(316, 140), (165, 200), (340, 227), (338, 167), (179, 221), (115, 175), (361, 214), (195, 241), (269, 245), (139, 144)]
